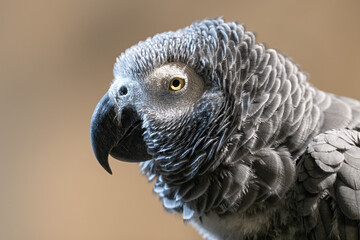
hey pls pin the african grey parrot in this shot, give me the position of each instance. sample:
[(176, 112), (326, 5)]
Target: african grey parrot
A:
[(235, 138)]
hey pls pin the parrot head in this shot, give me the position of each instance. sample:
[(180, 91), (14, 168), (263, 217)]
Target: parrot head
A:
[(176, 105), (168, 101)]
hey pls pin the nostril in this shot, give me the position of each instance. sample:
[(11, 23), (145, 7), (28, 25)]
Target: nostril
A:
[(123, 91)]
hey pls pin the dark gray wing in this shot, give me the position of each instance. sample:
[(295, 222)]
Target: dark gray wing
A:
[(328, 186)]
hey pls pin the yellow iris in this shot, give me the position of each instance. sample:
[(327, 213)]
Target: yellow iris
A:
[(176, 84)]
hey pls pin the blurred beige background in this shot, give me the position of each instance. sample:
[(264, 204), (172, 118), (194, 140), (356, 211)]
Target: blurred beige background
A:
[(56, 61)]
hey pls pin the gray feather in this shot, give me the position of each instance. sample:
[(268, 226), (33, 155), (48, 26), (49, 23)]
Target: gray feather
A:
[(326, 175), (259, 151)]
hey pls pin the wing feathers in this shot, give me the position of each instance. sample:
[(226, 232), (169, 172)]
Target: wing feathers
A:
[(328, 190), (348, 200)]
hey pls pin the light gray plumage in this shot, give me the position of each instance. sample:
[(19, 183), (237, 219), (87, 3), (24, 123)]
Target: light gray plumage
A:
[(248, 149)]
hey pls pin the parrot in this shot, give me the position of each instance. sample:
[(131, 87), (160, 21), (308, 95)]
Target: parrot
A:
[(233, 136)]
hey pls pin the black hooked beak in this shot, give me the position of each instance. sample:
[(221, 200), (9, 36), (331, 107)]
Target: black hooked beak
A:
[(120, 136)]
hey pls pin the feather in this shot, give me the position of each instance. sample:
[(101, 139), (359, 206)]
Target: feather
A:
[(336, 182), (188, 213), (348, 200), (248, 149)]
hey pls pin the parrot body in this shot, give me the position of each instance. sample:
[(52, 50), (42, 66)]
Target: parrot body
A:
[(234, 137)]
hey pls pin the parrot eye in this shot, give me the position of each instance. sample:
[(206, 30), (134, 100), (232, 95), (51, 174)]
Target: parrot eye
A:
[(176, 84)]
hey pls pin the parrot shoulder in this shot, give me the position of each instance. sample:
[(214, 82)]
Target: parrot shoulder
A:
[(328, 185)]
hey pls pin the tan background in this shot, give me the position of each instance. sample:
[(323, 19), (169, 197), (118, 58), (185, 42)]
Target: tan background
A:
[(56, 61)]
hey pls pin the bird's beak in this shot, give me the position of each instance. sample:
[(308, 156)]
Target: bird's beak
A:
[(120, 136)]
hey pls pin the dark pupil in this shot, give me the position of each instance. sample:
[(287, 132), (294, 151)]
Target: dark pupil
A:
[(176, 83)]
